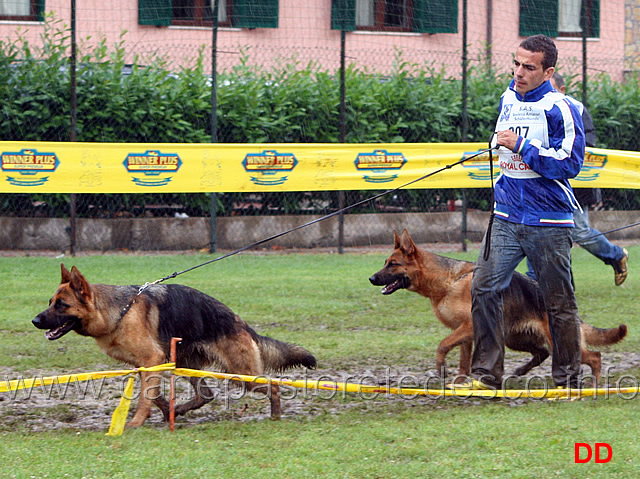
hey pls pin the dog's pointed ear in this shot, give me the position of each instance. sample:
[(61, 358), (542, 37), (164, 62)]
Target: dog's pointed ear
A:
[(80, 285), (65, 275), (396, 240), (407, 245)]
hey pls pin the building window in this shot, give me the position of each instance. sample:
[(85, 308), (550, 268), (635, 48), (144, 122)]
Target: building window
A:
[(199, 12), (560, 18), (571, 17), (424, 16), (232, 13), (21, 10), (394, 15)]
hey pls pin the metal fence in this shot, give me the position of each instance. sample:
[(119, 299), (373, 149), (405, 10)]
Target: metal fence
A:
[(40, 116)]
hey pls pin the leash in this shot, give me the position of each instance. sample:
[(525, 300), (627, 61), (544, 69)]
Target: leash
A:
[(317, 220), (128, 306), (487, 241), (608, 232)]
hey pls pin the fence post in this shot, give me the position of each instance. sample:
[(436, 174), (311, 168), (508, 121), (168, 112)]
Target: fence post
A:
[(213, 199), (465, 119), (583, 22), (72, 133), (343, 115)]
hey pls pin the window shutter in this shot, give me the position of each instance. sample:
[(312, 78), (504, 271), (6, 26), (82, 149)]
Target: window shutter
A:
[(255, 14), (594, 19), (154, 12), (435, 16), (343, 15), (40, 10), (539, 16)]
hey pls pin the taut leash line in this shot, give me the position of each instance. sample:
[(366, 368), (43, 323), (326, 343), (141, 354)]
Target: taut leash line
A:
[(317, 220), (608, 232)]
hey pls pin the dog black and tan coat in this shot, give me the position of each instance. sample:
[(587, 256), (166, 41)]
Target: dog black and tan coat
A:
[(447, 283), (140, 335)]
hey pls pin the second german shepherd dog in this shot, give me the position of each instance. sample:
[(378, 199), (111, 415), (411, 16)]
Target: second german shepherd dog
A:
[(138, 330), (447, 283)]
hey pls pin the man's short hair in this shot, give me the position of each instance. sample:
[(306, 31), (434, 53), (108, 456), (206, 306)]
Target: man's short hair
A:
[(544, 44)]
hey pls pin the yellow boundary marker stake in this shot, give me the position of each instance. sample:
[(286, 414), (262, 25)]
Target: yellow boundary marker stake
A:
[(119, 416)]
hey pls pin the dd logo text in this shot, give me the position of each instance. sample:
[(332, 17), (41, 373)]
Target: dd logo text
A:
[(589, 452)]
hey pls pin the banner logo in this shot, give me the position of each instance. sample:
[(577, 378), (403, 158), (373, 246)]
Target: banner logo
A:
[(380, 161), (28, 163), (153, 165), (479, 168), (592, 166), (270, 165)]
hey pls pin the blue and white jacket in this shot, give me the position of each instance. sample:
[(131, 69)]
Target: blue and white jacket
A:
[(533, 187)]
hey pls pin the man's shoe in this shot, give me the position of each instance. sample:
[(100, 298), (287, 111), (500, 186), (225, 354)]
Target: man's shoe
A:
[(469, 384), (621, 269)]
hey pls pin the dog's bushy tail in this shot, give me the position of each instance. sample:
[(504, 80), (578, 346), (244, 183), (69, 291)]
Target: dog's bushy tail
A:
[(278, 356), (603, 337)]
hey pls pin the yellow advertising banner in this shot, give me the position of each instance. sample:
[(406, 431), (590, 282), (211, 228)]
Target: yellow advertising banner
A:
[(43, 167)]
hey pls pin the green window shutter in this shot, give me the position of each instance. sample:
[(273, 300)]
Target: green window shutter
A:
[(40, 10), (435, 16), (539, 16), (255, 14), (343, 15), (594, 19), (154, 12)]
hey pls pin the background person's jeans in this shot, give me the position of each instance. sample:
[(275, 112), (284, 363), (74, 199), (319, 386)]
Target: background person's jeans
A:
[(598, 246), (549, 251), (583, 234)]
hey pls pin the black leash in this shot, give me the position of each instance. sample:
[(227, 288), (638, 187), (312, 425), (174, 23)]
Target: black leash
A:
[(487, 240), (317, 220), (126, 309), (608, 232)]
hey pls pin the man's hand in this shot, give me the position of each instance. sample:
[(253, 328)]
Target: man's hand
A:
[(507, 138)]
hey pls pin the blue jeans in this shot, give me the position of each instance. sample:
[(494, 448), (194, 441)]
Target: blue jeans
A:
[(598, 246), (549, 250)]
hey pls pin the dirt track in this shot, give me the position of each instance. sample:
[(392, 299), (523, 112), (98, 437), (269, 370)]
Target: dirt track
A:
[(84, 406)]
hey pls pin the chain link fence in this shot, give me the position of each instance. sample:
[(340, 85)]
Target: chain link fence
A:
[(118, 96)]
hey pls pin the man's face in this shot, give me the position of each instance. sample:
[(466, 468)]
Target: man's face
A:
[(528, 72)]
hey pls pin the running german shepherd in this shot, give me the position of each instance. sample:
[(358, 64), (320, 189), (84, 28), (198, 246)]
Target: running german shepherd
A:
[(447, 283), (138, 330)]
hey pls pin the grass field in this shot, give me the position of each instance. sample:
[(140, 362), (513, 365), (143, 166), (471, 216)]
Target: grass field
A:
[(325, 303)]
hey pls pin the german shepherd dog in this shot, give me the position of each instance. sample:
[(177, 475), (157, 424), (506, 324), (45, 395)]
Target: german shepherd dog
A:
[(138, 330), (447, 283)]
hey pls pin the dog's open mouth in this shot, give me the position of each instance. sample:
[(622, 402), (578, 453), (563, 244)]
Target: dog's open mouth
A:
[(60, 331), (393, 287)]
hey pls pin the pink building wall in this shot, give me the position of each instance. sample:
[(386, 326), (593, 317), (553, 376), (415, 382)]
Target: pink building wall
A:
[(304, 34)]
